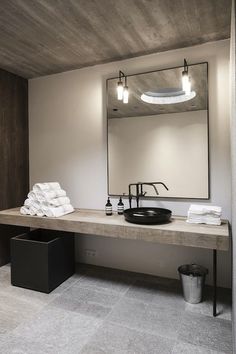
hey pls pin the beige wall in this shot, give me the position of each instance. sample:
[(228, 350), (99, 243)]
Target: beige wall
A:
[(67, 121), (153, 148)]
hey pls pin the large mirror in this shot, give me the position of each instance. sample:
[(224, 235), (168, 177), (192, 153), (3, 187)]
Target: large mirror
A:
[(161, 134)]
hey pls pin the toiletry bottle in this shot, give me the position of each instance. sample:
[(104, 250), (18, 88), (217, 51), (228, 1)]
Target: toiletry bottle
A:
[(120, 207), (108, 207)]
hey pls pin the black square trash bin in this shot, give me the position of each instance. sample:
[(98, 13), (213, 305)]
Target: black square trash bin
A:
[(42, 259)]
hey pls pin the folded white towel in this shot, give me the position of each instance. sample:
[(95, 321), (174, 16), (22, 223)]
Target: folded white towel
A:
[(204, 214), (205, 209), (209, 221), (196, 216), (39, 187), (24, 210), (58, 211), (56, 202)]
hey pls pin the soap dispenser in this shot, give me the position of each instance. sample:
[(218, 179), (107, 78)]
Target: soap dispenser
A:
[(108, 207), (120, 207)]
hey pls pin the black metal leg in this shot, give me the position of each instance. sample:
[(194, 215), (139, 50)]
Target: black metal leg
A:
[(214, 283)]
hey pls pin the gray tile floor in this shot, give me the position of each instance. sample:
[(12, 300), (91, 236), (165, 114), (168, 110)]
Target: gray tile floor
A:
[(104, 311)]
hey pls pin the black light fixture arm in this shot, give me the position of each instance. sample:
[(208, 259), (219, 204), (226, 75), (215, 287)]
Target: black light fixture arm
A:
[(185, 66), (121, 75)]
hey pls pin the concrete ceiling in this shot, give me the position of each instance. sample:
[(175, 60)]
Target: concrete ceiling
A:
[(157, 80), (40, 37)]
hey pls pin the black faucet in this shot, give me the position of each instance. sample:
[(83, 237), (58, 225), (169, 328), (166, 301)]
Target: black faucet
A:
[(130, 194), (140, 192)]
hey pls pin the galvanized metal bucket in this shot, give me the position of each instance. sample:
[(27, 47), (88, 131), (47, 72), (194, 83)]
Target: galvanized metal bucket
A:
[(192, 277)]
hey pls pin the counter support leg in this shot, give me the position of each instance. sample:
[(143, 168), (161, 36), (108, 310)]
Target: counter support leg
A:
[(214, 283)]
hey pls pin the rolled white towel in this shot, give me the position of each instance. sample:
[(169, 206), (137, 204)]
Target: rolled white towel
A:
[(39, 187), (54, 185), (56, 202), (24, 210), (28, 202), (40, 212), (32, 195), (46, 196), (32, 203), (33, 210), (58, 211), (40, 197)]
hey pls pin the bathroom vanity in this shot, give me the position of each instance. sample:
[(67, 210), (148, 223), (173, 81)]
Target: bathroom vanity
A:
[(94, 222)]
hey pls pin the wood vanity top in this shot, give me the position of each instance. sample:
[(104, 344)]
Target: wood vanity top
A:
[(95, 222)]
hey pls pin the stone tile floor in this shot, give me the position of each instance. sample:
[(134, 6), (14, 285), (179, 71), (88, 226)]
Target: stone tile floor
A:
[(105, 311)]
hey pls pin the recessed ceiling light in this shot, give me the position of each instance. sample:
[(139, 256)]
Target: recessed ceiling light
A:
[(167, 96)]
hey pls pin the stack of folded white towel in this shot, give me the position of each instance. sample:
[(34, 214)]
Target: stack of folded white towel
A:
[(204, 214), (47, 199)]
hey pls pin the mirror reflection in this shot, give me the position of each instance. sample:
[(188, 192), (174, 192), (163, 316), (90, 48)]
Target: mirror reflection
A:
[(161, 133)]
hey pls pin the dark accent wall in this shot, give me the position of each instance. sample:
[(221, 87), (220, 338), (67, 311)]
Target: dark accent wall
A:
[(14, 151)]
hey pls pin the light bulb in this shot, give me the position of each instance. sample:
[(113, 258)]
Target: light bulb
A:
[(120, 90), (188, 87), (185, 80), (126, 95)]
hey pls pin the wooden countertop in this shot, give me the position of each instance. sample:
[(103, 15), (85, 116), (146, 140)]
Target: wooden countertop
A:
[(95, 222)]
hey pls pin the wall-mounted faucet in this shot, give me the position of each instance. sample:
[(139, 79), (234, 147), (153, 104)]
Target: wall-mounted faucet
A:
[(139, 190)]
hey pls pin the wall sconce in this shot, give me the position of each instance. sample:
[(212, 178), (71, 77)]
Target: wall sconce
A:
[(122, 90), (186, 83), (120, 86), (126, 92)]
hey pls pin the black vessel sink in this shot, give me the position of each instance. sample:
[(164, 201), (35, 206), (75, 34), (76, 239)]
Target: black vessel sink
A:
[(147, 216)]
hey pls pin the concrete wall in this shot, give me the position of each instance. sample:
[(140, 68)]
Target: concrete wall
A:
[(67, 119)]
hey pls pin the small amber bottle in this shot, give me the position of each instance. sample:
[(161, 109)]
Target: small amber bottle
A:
[(108, 207), (120, 207)]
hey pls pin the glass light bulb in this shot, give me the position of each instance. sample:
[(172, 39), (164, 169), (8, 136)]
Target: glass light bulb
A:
[(126, 95), (188, 87), (185, 80), (120, 90)]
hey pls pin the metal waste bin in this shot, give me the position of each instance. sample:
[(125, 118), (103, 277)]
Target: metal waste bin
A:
[(192, 277)]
